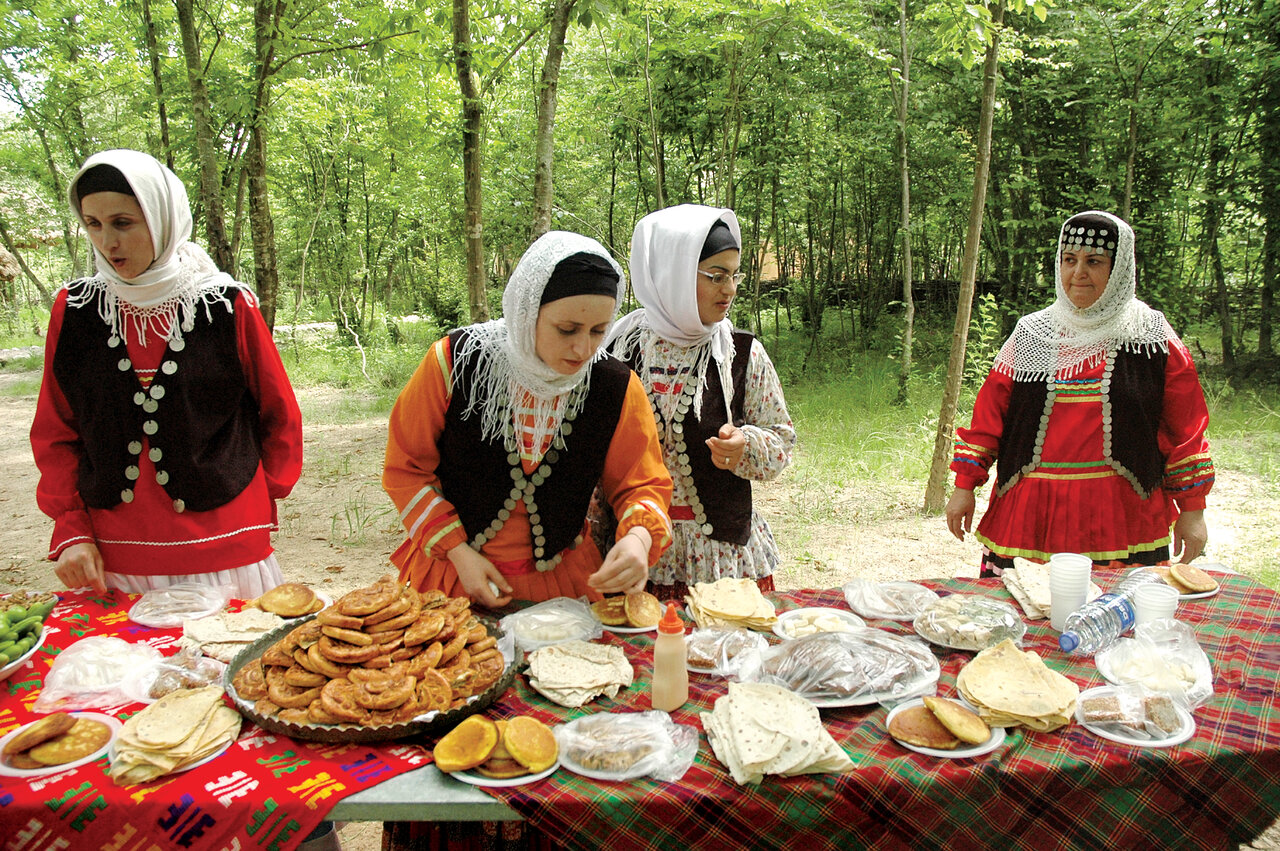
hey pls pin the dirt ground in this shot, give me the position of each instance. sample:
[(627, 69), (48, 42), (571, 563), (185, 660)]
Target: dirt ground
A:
[(338, 527)]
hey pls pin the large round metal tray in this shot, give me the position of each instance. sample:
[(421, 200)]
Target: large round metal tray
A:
[(427, 725)]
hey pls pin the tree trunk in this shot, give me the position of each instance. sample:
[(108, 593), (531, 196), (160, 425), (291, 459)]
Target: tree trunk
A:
[(210, 177), (472, 124), (157, 82), (267, 15), (45, 296), (659, 169), (1269, 180), (909, 313), (936, 489), (544, 157)]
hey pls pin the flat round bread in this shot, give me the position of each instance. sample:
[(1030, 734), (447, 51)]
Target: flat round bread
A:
[(964, 724), (39, 731), (467, 745), (289, 600), (1192, 578), (917, 726), (643, 609), (530, 743), (502, 769), (611, 611), (84, 737)]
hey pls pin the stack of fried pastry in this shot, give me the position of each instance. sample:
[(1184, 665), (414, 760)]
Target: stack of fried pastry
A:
[(380, 655)]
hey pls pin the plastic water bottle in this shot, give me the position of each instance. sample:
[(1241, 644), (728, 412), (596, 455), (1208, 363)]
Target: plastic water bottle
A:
[(1100, 622)]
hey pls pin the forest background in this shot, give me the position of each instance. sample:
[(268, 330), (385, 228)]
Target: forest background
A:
[(377, 168)]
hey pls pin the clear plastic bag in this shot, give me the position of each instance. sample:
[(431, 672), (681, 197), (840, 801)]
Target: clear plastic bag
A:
[(1134, 712), (188, 668), (719, 650), (167, 607), (94, 673), (849, 668), (558, 619), (1162, 656), (899, 601), (970, 622), (622, 746)]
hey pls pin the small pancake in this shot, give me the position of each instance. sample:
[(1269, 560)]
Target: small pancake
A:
[(964, 724), (288, 600), (36, 732), (918, 726), (611, 611), (531, 743), (643, 609), (501, 769), (1192, 578), (22, 762), (85, 737), (467, 745)]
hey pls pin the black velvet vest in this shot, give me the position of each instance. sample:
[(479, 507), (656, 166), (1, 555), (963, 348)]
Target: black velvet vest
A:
[(725, 497), (202, 431), (475, 475), (1136, 395)]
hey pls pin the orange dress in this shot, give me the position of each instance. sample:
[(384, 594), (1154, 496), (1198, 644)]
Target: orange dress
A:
[(635, 482)]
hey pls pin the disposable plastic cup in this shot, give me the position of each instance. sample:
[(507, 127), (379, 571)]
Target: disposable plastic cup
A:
[(1152, 602), (1068, 585)]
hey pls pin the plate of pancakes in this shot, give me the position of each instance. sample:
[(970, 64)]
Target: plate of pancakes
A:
[(629, 613), (508, 752), (56, 742), (938, 726), (1191, 582)]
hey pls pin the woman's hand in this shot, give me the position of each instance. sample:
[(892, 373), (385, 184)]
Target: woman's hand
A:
[(1190, 534), (475, 573), (80, 565), (626, 568), (960, 512), (727, 449)]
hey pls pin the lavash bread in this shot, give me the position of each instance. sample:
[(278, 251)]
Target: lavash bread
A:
[(574, 673), (758, 729), (1012, 687), (176, 731), (732, 603)]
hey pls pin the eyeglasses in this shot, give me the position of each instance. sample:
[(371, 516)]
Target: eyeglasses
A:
[(719, 279)]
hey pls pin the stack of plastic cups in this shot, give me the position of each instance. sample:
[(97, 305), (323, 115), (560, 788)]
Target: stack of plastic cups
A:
[(1154, 602), (1068, 585)]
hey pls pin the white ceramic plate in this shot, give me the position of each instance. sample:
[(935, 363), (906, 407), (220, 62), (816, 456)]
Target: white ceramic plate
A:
[(111, 752), (112, 723), (7, 670), (785, 619), (629, 630), (477, 779), (995, 740), (1193, 595), (924, 684), (1117, 734)]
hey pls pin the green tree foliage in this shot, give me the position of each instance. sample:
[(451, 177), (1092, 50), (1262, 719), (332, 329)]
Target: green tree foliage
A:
[(779, 110)]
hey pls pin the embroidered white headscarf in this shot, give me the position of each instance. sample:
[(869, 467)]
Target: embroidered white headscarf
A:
[(164, 298), (1064, 339), (508, 362), (664, 275)]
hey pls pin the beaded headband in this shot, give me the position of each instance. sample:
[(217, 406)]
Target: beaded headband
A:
[(1093, 234)]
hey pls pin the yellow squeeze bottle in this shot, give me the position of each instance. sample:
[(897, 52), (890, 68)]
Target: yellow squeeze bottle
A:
[(670, 687)]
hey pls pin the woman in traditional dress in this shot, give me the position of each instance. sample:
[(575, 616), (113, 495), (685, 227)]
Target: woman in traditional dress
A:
[(166, 427), (1096, 416), (721, 415), (498, 440)]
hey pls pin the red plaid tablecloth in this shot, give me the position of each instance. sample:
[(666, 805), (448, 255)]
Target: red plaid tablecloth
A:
[(1066, 789), (264, 792)]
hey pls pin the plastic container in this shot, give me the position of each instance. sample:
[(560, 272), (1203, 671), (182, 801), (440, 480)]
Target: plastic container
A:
[(670, 687), (1098, 623)]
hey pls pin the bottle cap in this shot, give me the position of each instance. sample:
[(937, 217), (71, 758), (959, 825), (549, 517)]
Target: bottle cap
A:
[(1068, 642), (671, 622)]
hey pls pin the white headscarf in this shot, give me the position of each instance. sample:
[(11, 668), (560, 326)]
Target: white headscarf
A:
[(1064, 339), (508, 361), (664, 275), (165, 296)]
